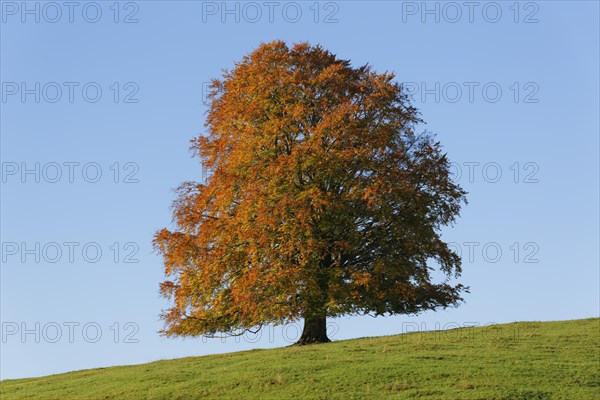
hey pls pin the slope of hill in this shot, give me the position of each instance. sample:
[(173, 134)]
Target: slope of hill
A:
[(526, 360)]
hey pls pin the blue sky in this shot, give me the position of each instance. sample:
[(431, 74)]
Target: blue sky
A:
[(101, 113)]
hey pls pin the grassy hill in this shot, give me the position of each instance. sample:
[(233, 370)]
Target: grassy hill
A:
[(526, 360)]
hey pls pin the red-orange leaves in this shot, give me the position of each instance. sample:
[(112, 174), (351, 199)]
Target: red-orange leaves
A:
[(321, 200)]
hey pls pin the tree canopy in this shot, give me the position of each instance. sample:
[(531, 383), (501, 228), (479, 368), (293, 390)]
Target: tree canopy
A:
[(322, 200)]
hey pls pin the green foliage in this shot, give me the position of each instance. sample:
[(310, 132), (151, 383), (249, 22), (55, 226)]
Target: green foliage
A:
[(527, 360)]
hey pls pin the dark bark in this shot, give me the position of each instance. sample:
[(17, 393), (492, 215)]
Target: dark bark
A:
[(315, 331), (315, 320)]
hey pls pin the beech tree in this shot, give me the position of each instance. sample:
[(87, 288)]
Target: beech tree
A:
[(321, 201)]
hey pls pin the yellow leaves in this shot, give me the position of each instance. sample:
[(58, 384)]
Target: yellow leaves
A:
[(361, 278)]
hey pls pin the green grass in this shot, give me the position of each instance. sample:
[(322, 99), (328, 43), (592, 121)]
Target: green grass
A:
[(525, 360)]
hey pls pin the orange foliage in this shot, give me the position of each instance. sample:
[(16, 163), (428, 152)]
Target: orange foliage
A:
[(321, 200)]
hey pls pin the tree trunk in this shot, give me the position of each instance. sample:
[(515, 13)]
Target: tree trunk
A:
[(315, 318), (315, 331)]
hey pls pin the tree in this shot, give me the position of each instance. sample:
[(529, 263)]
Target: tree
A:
[(321, 201)]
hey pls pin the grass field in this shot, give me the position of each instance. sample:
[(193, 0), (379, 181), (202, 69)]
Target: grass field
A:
[(526, 360)]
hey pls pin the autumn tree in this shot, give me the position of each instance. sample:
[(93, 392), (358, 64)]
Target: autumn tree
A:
[(321, 201)]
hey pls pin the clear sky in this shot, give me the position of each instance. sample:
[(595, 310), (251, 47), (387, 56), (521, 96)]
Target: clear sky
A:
[(97, 115)]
